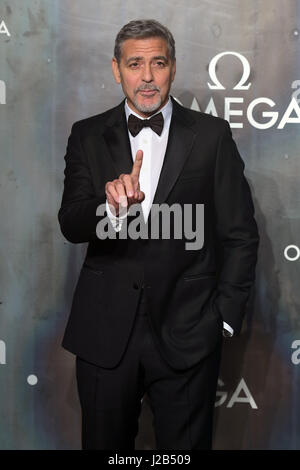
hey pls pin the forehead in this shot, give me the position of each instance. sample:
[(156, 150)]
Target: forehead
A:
[(147, 47)]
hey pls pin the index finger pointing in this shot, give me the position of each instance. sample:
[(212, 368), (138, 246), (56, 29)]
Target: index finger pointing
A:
[(136, 168)]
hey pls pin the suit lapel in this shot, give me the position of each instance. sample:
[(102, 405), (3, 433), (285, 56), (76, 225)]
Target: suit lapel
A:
[(180, 142), (117, 141)]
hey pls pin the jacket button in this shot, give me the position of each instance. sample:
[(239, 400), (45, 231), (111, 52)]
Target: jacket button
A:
[(135, 286)]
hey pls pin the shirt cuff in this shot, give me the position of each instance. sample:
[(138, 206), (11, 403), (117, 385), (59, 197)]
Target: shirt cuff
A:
[(115, 221), (228, 330)]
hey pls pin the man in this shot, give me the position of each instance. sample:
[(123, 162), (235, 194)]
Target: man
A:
[(148, 314)]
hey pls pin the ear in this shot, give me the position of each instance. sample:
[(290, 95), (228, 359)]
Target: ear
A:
[(115, 70), (173, 70)]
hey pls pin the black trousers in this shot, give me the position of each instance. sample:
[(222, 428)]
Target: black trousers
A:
[(182, 402)]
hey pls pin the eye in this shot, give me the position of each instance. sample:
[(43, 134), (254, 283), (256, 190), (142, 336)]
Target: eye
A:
[(160, 64), (133, 65)]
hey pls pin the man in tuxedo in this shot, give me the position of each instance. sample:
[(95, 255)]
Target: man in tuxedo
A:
[(148, 314)]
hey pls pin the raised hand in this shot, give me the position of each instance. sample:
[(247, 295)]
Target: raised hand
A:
[(125, 191)]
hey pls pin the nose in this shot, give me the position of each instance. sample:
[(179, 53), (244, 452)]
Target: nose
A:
[(147, 74)]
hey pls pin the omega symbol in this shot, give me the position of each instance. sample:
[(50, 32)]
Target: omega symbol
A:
[(212, 72)]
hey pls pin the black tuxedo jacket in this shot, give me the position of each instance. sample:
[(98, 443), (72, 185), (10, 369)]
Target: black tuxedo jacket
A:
[(190, 292)]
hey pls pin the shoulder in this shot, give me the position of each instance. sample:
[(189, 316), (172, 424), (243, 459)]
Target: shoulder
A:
[(201, 121), (98, 121)]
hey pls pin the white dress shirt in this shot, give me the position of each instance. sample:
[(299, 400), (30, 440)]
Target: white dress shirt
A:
[(154, 149)]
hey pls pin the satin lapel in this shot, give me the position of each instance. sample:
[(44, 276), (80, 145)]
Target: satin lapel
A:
[(180, 142), (117, 141)]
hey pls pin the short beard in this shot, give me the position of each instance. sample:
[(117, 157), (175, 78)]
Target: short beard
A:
[(144, 108)]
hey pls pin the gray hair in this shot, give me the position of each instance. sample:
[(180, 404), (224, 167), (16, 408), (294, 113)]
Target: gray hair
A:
[(141, 29)]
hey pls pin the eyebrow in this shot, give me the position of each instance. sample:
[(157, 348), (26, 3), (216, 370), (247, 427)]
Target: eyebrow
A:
[(139, 58)]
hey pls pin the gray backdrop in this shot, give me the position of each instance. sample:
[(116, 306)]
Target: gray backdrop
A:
[(55, 68)]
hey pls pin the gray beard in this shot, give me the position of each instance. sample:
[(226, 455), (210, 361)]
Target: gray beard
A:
[(148, 109)]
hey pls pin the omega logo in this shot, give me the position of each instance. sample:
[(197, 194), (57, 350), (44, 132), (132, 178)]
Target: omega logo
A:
[(234, 105), (212, 72)]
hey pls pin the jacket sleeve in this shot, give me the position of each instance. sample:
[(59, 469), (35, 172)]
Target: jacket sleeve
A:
[(77, 214), (236, 231)]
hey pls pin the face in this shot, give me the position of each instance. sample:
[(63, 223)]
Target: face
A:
[(145, 73)]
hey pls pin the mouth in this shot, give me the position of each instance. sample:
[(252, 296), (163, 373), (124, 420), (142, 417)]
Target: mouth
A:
[(148, 93)]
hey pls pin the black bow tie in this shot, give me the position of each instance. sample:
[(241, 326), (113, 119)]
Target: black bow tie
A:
[(156, 123)]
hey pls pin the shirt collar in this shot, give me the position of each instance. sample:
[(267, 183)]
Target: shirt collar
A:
[(166, 110)]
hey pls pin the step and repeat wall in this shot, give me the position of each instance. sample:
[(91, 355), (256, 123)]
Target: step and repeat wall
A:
[(239, 60)]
